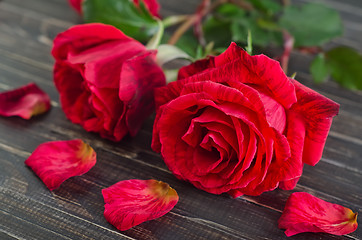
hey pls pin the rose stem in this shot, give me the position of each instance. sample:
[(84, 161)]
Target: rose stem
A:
[(288, 47), (193, 18)]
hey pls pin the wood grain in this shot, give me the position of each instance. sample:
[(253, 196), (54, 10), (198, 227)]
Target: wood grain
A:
[(75, 210)]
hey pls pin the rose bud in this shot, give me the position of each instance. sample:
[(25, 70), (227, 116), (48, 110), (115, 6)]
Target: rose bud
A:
[(152, 6), (105, 79), (237, 124)]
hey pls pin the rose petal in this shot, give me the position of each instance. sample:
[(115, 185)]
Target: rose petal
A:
[(245, 163), (131, 202), (85, 36), (289, 184), (172, 126), (74, 102), (25, 102), (55, 162), (283, 166), (103, 62), (306, 213), (275, 113), (318, 121), (292, 168), (108, 112), (254, 175), (196, 67), (204, 160), (136, 88), (259, 69)]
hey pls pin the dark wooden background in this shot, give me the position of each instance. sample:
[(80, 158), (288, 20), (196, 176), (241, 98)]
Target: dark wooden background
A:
[(28, 210)]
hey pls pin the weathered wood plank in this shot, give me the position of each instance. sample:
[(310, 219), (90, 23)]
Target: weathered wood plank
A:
[(51, 9), (78, 197), (139, 152)]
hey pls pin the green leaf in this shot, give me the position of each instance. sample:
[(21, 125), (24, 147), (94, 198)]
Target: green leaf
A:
[(262, 35), (199, 52), (156, 39), (230, 11), (187, 42), (319, 69), (293, 75), (346, 67), (232, 22), (135, 22), (249, 46), (270, 7), (311, 25), (209, 48), (217, 31)]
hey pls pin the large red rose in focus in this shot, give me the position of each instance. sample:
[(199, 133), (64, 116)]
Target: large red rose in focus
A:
[(236, 123), (105, 79)]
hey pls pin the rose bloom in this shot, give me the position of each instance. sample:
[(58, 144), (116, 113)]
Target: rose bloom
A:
[(105, 79), (151, 5), (237, 124)]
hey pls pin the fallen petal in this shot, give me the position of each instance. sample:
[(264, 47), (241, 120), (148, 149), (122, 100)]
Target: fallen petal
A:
[(25, 102), (306, 213), (55, 162), (131, 202)]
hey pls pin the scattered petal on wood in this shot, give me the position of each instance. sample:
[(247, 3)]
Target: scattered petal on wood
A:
[(131, 202), (55, 162), (306, 213), (25, 102)]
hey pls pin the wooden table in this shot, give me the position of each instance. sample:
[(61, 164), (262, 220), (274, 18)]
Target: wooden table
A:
[(28, 210)]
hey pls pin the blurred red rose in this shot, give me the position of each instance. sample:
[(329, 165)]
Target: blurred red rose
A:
[(105, 79), (236, 123), (76, 4), (152, 6)]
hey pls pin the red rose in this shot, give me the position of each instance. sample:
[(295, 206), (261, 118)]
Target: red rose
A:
[(105, 79), (152, 6), (76, 4), (236, 123)]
